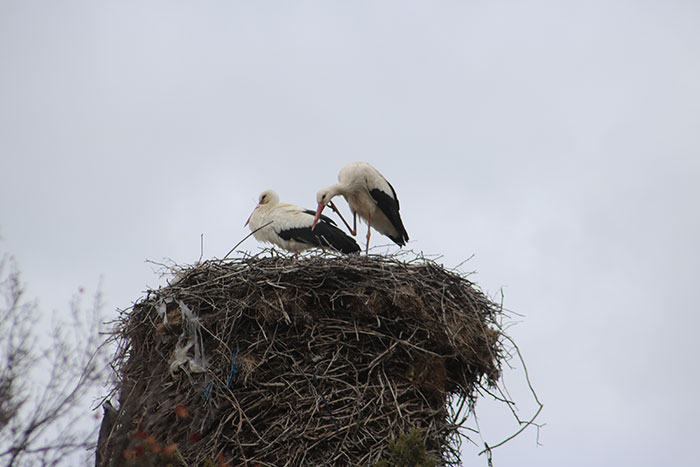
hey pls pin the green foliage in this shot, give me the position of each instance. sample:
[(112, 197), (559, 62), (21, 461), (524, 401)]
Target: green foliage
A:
[(407, 451)]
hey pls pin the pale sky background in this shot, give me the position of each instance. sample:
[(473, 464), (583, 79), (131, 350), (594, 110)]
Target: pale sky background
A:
[(558, 142)]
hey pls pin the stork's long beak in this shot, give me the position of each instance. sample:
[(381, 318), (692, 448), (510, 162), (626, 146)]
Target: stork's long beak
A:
[(318, 214), (249, 217)]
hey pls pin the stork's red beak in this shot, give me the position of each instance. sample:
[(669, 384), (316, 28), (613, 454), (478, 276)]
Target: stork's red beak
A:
[(318, 214)]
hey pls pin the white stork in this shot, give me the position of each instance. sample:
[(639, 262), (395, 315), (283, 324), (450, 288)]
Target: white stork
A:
[(370, 196), (289, 227)]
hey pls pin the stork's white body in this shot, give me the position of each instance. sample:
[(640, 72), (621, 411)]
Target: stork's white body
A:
[(357, 179), (280, 217), (289, 226), (371, 197)]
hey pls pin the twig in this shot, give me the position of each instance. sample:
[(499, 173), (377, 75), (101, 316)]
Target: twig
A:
[(244, 239), (534, 394)]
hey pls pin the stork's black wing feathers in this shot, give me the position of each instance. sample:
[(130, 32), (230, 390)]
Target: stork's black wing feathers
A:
[(389, 205), (322, 218), (393, 193), (325, 234)]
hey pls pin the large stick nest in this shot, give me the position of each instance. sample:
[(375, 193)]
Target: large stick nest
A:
[(320, 360)]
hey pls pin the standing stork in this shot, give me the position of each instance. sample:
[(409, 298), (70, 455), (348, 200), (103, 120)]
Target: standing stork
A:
[(289, 227), (370, 196)]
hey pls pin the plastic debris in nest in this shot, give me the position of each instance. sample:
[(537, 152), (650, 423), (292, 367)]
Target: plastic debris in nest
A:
[(188, 353)]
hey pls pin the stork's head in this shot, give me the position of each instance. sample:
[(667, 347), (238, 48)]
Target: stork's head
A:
[(267, 197), (324, 197)]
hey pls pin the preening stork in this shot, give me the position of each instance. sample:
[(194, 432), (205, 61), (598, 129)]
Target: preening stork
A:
[(369, 196), (289, 227)]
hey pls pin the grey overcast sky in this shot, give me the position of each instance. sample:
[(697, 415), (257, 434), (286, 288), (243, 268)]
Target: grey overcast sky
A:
[(556, 141)]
